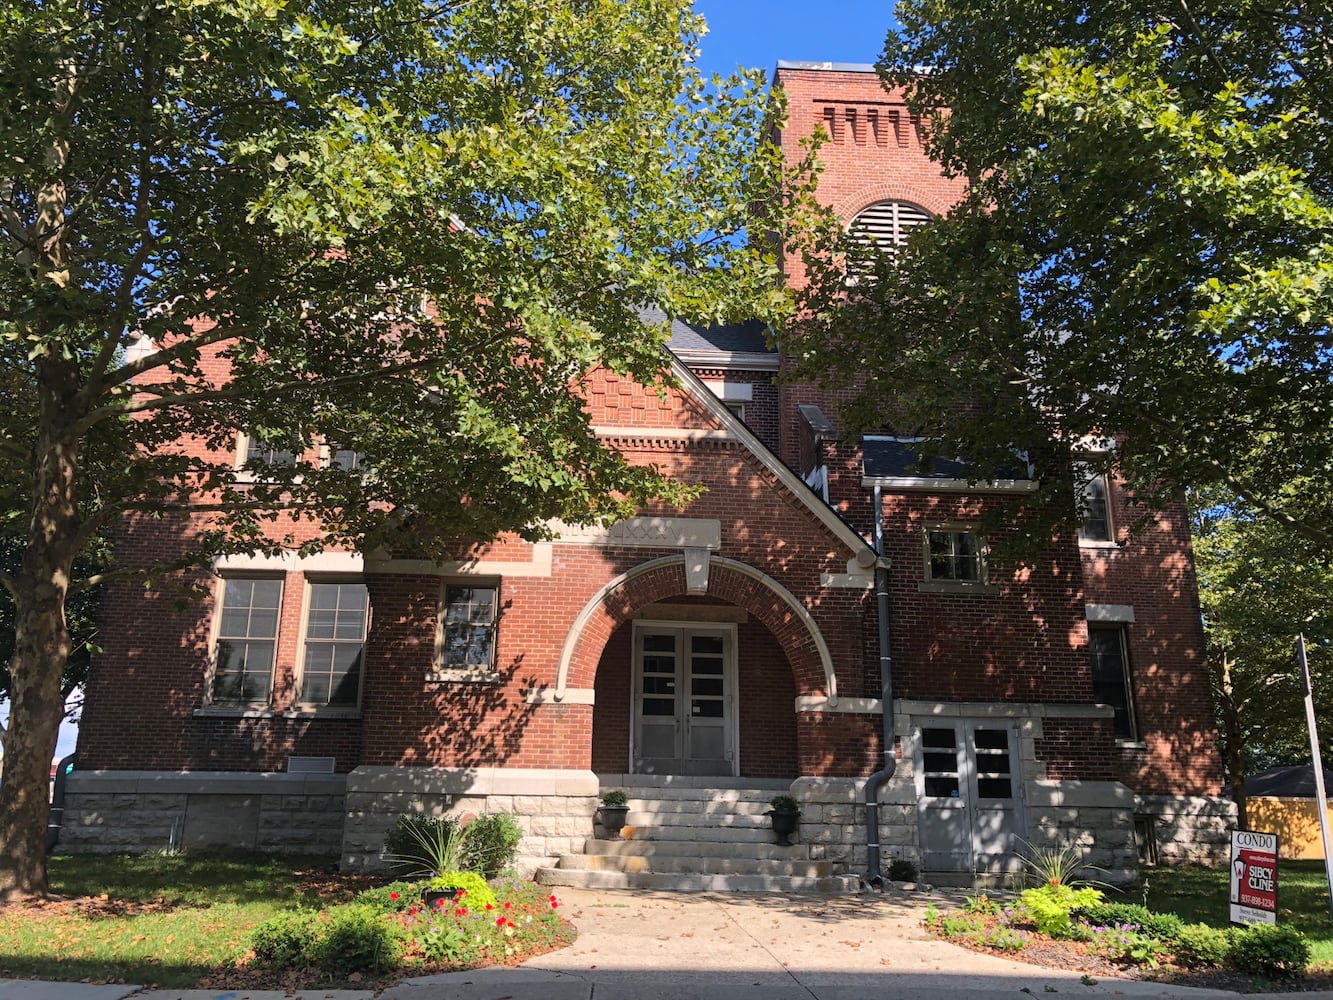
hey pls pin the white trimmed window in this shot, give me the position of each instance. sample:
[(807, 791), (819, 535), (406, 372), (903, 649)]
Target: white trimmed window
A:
[(1092, 496), (247, 640), (465, 641), (1108, 653), (335, 643), (953, 555)]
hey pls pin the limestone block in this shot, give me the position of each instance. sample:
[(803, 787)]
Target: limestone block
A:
[(528, 805)]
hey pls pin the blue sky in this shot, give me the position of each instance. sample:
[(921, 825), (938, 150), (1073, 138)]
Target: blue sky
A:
[(757, 33)]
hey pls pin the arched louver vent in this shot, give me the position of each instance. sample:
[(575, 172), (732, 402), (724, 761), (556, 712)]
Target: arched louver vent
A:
[(886, 225)]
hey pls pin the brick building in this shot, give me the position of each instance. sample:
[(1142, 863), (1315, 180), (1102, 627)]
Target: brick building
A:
[(704, 658)]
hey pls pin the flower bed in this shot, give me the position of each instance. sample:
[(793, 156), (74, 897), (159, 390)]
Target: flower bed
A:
[(386, 933), (1056, 925)]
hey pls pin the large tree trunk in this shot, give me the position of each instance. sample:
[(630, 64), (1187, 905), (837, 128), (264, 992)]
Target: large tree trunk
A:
[(41, 640)]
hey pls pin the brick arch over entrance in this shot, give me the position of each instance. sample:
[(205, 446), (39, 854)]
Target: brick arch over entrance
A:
[(730, 580)]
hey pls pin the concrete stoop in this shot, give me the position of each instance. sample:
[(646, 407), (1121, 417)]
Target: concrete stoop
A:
[(696, 835)]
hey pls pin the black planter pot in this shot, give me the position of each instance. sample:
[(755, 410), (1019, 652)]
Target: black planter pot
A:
[(613, 818), (785, 823), (431, 898)]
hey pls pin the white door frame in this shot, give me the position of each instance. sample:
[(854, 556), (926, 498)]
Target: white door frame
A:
[(730, 672)]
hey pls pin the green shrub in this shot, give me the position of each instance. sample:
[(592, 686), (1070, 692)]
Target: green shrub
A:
[(426, 845), (383, 898), (784, 803), (423, 845), (1202, 946), (981, 905), (490, 843), (1165, 927), (285, 940), (615, 799), (1123, 944), (902, 870), (358, 939), (1270, 950), (1050, 906), (477, 894)]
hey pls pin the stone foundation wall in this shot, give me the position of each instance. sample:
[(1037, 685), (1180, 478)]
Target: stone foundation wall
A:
[(1095, 818), (833, 821), (554, 808), (113, 812), (1189, 830)]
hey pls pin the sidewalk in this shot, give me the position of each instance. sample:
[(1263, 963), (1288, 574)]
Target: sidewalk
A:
[(672, 946)]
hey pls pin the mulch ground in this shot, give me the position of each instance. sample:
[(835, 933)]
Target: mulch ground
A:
[(1077, 957)]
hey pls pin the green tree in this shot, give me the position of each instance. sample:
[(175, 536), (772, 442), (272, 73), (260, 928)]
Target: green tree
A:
[(1260, 587), (406, 229), (1145, 249), (81, 613)]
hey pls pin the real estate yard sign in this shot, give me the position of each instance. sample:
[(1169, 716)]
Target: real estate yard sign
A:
[(1253, 877)]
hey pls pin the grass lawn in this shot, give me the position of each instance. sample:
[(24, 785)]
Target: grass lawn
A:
[(150, 919), (1199, 895)]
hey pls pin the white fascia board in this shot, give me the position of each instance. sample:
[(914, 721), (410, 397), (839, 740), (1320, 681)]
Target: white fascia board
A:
[(746, 437), (728, 360), (929, 485)]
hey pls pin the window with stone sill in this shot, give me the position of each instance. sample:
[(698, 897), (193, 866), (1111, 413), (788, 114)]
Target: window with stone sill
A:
[(954, 556), (247, 640), (334, 646), (1112, 684), (466, 634), (1092, 495)]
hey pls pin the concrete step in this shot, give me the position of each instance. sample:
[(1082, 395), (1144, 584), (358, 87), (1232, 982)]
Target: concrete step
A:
[(704, 834), (667, 809), (677, 865), (697, 796), (587, 879), (685, 785), (726, 820), (663, 847)]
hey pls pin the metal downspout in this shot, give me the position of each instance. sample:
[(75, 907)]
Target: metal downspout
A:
[(877, 780)]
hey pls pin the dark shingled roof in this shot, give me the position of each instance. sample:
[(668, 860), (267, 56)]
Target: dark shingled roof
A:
[(890, 458), (1285, 783), (735, 338)]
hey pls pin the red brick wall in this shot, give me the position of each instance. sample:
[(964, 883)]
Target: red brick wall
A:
[(1153, 571)]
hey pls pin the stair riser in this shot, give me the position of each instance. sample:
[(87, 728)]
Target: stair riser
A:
[(694, 883), (663, 864), (692, 848)]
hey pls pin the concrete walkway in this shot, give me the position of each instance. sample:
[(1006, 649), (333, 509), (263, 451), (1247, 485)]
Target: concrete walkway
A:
[(671, 946)]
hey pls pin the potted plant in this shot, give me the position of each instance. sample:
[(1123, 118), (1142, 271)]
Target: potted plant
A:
[(615, 810), (786, 817)]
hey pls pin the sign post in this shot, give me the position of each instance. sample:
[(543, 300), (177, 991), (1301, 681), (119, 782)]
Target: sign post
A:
[(1316, 761), (1253, 877)]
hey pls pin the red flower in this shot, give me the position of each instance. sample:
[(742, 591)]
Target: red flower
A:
[(551, 897), (412, 912), (508, 905), (499, 921), (460, 892), (554, 904), (459, 912), (489, 906), (439, 904), (393, 895)]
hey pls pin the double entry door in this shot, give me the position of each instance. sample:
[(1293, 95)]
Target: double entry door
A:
[(969, 795), (684, 700)]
